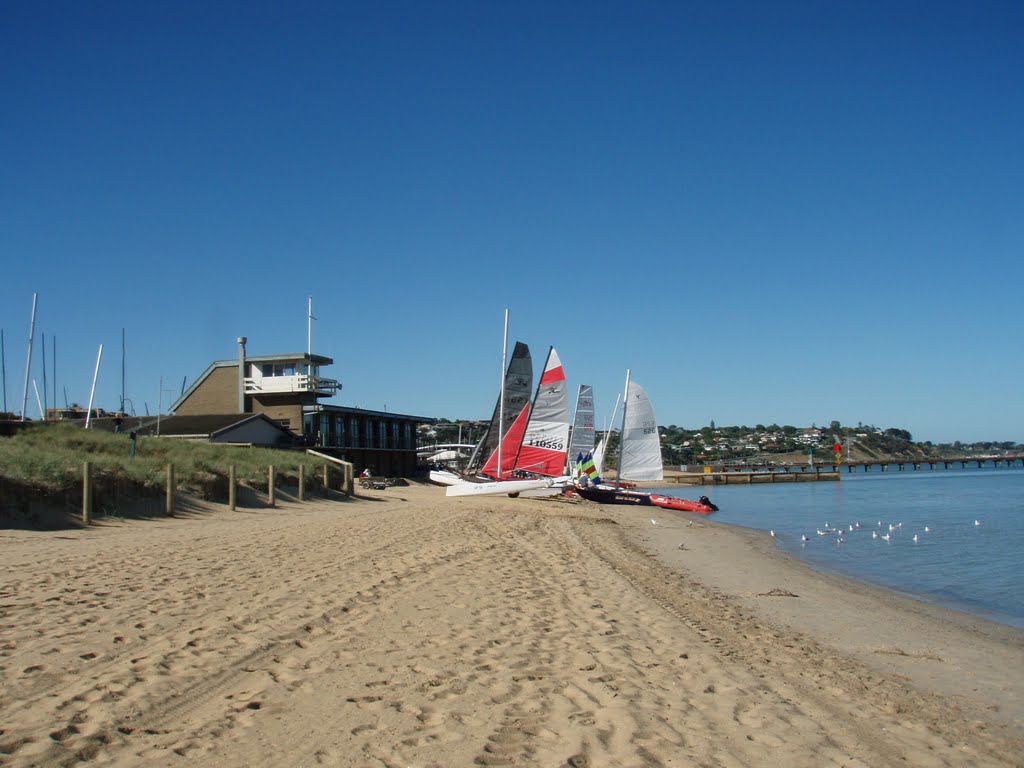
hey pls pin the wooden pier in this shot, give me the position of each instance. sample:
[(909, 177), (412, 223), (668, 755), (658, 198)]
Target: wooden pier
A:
[(827, 470), (805, 474), (961, 462)]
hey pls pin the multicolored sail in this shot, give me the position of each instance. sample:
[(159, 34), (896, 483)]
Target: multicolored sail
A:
[(586, 467), (546, 440), (509, 447)]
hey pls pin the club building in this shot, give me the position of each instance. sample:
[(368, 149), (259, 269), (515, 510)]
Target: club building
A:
[(287, 390)]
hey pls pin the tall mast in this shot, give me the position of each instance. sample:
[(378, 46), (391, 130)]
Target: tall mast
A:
[(122, 370), (92, 390), (622, 432), (42, 409), (28, 356), (501, 398), (309, 326), (3, 367)]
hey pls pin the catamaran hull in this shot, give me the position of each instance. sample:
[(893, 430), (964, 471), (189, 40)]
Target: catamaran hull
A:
[(611, 496), (606, 496), (443, 477), (511, 487)]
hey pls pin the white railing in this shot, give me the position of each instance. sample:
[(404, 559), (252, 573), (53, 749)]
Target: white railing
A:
[(282, 385)]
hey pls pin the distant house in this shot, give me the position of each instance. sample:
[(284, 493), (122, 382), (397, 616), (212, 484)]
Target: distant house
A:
[(286, 390)]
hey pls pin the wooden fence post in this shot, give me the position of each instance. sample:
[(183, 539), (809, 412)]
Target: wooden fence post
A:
[(170, 490), (270, 484), (302, 482), (232, 488), (87, 493), (327, 485)]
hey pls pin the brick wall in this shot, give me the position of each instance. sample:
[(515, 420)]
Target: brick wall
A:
[(217, 394)]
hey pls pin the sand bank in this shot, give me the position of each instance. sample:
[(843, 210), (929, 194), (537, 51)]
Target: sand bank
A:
[(409, 629)]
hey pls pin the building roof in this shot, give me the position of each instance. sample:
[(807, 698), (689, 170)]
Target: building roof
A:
[(208, 426), (327, 408)]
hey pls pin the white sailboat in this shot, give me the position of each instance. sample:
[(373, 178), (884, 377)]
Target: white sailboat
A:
[(508, 427), (640, 459)]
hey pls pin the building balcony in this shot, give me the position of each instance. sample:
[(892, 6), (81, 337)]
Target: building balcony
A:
[(286, 385)]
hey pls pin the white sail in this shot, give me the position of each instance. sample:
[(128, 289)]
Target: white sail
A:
[(641, 444)]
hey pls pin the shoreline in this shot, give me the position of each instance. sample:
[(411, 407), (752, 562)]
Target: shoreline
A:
[(905, 635), (405, 628)]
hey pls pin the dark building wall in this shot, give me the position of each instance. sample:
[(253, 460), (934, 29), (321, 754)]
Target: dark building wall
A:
[(217, 394), (278, 411)]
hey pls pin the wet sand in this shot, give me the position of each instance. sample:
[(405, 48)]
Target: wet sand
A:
[(404, 628)]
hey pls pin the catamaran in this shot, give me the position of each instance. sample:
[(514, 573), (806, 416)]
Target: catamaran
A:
[(640, 459), (504, 438)]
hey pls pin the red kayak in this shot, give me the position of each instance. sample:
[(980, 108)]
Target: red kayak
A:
[(703, 507)]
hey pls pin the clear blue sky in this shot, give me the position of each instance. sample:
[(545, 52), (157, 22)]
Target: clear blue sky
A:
[(785, 212)]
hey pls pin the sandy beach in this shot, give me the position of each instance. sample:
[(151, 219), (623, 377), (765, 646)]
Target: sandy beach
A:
[(403, 628)]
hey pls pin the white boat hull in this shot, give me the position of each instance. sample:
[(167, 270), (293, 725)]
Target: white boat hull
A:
[(504, 486), (444, 477)]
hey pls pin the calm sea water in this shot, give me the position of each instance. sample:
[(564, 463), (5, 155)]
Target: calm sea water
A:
[(975, 568)]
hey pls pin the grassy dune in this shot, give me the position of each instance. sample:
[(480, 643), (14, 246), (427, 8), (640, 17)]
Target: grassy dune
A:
[(50, 457)]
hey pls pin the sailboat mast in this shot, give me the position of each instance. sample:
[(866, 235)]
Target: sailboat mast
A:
[(28, 356), (501, 398), (92, 390), (3, 366), (622, 432), (309, 327)]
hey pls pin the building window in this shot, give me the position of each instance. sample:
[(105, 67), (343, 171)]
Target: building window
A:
[(322, 434), (277, 369), (407, 438), (384, 435), (340, 423), (355, 432)]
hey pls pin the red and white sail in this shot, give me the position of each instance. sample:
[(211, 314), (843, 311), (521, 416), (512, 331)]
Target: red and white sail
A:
[(546, 440)]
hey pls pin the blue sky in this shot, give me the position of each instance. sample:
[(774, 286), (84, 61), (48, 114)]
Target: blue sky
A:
[(785, 212)]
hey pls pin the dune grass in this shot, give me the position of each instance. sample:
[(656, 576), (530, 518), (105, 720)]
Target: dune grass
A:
[(50, 457)]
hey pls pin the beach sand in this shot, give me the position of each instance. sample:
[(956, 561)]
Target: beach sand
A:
[(404, 628)]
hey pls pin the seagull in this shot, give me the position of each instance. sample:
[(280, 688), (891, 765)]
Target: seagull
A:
[(689, 524), (891, 527), (927, 529), (772, 533), (874, 534), (804, 538), (886, 537), (977, 522), (653, 521), (915, 538)]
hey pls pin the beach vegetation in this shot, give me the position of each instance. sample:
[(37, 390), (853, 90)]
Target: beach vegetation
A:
[(49, 457)]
